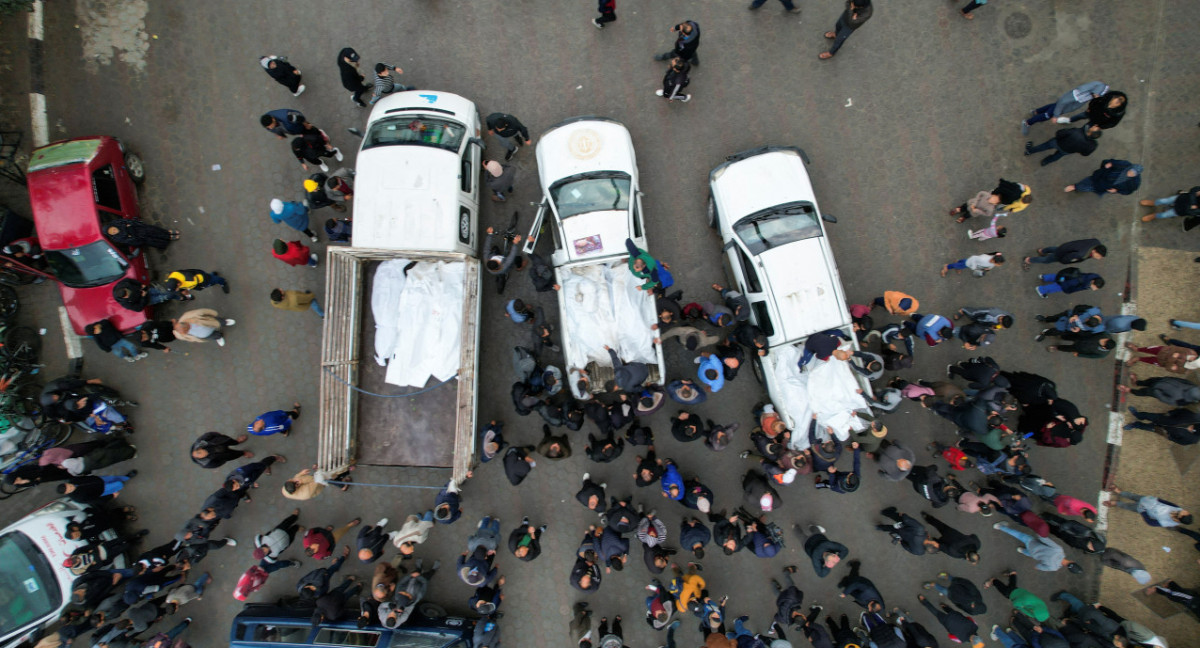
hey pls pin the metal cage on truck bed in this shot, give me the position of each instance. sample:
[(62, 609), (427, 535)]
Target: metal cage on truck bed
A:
[(347, 314)]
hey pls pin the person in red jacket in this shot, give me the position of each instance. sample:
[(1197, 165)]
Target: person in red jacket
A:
[(293, 253), (250, 582)]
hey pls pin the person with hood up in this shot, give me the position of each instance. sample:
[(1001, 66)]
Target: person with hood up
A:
[(1113, 177), (352, 78), (292, 214)]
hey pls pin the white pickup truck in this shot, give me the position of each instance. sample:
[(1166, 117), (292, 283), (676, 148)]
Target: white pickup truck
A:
[(777, 254), (591, 205), (407, 287)]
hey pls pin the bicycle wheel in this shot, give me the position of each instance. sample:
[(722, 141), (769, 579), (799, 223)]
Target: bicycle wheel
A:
[(27, 397), (56, 433), (9, 303), (21, 344), (7, 490)]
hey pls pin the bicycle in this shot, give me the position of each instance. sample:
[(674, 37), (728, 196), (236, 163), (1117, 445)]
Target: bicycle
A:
[(38, 438), (20, 344), (510, 238)]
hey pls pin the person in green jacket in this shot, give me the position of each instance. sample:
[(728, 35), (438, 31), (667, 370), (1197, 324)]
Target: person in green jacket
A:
[(641, 264), (1023, 600)]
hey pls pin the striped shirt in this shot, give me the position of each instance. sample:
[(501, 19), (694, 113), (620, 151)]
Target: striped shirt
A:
[(384, 84)]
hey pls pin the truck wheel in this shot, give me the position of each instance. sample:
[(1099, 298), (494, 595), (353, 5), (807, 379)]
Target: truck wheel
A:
[(464, 227), (135, 167), (712, 213), (431, 610), (756, 365)]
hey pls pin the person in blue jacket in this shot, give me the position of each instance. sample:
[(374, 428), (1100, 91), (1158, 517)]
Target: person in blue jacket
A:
[(292, 214), (274, 422), (672, 482), (1067, 281)]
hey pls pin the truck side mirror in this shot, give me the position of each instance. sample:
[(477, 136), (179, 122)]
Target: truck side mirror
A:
[(477, 141), (829, 218)]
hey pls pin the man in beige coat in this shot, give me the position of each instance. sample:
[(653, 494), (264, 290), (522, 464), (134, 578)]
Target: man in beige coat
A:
[(414, 531)]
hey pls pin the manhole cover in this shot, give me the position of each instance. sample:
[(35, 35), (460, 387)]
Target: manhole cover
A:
[(1018, 25)]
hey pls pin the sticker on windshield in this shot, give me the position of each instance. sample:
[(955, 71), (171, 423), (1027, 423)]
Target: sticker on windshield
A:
[(31, 585), (588, 244)]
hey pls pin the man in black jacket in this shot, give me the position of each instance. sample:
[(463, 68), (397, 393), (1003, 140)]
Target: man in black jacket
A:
[(1067, 141), (352, 78), (955, 543), (511, 132), (1185, 203), (824, 553), (908, 532), (1070, 252), (1074, 534), (789, 601), (687, 40)]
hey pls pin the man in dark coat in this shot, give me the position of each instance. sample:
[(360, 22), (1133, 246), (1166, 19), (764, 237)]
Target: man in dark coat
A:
[(857, 13), (956, 623), (1070, 252), (518, 464), (332, 605), (789, 601), (824, 553), (627, 376), (1075, 534), (861, 589), (955, 543), (1113, 177), (1185, 204), (1180, 425), (693, 536), (510, 130), (1067, 141), (352, 78), (908, 532), (213, 450), (687, 40)]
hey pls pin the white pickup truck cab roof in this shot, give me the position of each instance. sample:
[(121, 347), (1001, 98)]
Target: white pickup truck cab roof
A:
[(416, 183), (589, 179)]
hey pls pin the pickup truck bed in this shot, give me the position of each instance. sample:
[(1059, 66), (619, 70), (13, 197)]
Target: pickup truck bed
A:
[(435, 428)]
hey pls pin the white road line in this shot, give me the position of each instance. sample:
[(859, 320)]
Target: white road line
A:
[(39, 122), (1102, 510), (72, 341), (1116, 421), (35, 21)]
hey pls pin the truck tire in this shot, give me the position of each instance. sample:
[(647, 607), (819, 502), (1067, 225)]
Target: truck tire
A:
[(756, 365), (431, 610)]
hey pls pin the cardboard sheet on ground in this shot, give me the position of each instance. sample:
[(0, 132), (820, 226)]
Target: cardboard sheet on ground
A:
[(827, 388), (428, 316), (602, 305)]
